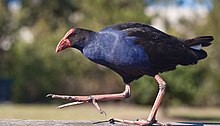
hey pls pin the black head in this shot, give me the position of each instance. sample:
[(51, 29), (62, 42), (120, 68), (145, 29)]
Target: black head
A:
[(73, 38)]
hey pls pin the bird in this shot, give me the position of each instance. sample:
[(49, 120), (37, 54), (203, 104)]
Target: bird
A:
[(132, 50)]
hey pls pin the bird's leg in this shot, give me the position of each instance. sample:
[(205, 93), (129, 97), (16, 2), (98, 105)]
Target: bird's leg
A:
[(152, 116), (162, 89), (92, 98)]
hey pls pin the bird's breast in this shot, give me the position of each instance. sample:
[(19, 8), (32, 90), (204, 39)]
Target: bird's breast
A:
[(116, 50)]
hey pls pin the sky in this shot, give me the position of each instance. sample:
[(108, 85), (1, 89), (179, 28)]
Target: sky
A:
[(181, 3), (173, 11)]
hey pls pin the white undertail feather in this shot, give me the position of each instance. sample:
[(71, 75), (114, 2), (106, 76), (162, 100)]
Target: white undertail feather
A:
[(197, 47)]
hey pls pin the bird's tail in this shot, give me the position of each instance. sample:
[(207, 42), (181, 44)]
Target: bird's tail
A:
[(197, 43)]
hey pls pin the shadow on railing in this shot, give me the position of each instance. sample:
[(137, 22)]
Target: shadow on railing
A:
[(195, 124)]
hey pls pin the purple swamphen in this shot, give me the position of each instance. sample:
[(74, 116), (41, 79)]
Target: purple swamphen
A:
[(132, 50)]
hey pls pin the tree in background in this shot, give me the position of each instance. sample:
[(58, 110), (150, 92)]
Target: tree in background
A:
[(32, 34), (183, 83), (208, 93), (28, 53), (36, 28)]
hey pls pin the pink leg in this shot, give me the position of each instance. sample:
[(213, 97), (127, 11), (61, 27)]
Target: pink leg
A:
[(92, 98), (152, 116), (162, 88), (122, 95)]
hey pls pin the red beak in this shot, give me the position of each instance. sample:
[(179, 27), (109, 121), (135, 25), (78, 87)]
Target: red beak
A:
[(64, 42)]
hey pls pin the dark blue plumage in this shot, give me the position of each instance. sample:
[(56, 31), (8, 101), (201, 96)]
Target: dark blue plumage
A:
[(132, 50), (116, 50), (135, 49)]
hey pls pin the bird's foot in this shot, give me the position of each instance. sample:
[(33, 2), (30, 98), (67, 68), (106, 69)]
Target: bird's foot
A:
[(137, 122), (92, 98), (77, 100)]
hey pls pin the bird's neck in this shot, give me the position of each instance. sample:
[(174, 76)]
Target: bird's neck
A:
[(87, 37)]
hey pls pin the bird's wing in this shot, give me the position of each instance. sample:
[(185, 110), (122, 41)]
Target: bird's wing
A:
[(124, 26), (164, 51)]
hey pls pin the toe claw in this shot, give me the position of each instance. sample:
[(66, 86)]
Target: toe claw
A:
[(112, 121), (103, 112), (49, 95), (58, 107), (98, 107)]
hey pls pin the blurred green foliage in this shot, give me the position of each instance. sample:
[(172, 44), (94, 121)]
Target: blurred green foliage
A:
[(37, 70)]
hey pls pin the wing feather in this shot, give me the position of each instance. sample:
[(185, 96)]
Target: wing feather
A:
[(165, 51)]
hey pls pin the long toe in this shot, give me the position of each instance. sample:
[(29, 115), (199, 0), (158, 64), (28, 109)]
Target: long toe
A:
[(69, 104), (137, 122), (65, 97)]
